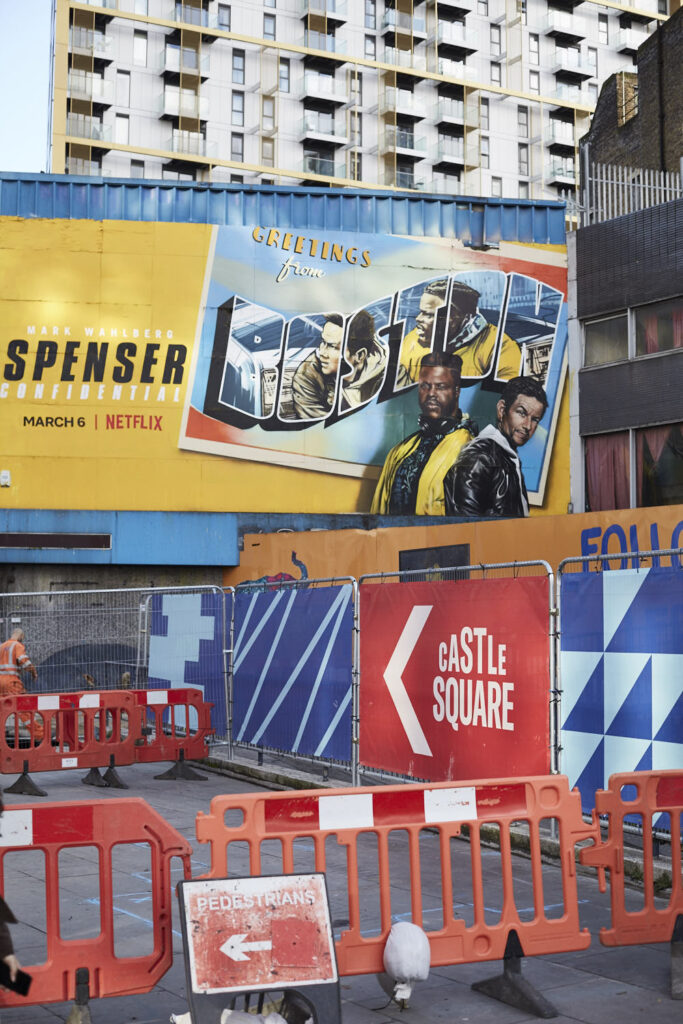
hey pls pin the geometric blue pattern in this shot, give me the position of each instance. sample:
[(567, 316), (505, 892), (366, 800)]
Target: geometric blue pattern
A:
[(621, 665), (292, 670)]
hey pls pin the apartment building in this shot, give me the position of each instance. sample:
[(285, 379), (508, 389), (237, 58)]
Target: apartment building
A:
[(476, 97)]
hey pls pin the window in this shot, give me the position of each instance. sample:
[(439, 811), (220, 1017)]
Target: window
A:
[(121, 129), (370, 14), (269, 26), (123, 88), (603, 29), (357, 89), (356, 166), (496, 187), (592, 57), (659, 327), (659, 465), (523, 122), (238, 67), (495, 73), (484, 115), (224, 17), (605, 341), (268, 114), (140, 49), (523, 158), (483, 8), (284, 74), (236, 146), (356, 128), (521, 10), (237, 115), (495, 40), (524, 190), (268, 152), (534, 81), (236, 179), (484, 152), (662, 6), (608, 471), (533, 48), (137, 168), (370, 47)]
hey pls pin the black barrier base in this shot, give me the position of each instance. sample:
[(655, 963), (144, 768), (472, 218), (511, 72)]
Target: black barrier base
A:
[(25, 785), (112, 777), (93, 778), (677, 959), (80, 1011), (181, 770), (512, 988)]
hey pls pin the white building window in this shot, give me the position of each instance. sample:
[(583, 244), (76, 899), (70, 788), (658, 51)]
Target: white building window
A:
[(121, 129), (496, 187), (140, 49)]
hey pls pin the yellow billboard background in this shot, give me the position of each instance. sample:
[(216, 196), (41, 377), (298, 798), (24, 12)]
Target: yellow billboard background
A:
[(87, 428)]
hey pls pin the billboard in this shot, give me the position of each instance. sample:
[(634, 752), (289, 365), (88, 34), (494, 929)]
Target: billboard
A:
[(455, 680), (135, 354)]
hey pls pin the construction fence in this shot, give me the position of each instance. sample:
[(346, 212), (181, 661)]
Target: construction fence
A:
[(507, 669)]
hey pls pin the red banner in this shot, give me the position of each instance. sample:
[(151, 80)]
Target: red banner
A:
[(455, 678)]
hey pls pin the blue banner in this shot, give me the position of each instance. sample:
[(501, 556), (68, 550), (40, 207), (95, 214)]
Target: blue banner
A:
[(292, 670), (622, 675), (186, 648)]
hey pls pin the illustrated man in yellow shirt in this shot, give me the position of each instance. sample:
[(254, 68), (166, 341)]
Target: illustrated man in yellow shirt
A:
[(473, 338)]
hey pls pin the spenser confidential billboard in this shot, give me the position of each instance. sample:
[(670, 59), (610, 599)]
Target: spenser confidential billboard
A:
[(455, 678), (132, 354)]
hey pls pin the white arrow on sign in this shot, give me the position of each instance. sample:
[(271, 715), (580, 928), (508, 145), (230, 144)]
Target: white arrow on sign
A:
[(236, 948), (393, 678)]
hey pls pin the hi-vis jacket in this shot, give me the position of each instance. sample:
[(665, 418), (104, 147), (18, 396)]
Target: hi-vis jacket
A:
[(13, 658)]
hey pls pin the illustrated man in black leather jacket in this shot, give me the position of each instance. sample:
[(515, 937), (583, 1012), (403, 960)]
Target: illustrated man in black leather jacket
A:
[(487, 479)]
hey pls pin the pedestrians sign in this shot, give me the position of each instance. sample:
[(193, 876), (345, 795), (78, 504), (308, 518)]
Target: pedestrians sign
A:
[(251, 934)]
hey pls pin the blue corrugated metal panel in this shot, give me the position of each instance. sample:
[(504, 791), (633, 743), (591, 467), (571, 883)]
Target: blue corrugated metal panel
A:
[(474, 221), (137, 538)]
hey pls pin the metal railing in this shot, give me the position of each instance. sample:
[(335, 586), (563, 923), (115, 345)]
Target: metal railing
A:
[(609, 191)]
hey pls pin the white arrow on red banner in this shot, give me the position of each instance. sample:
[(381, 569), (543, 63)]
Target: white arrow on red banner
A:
[(236, 948), (393, 677)]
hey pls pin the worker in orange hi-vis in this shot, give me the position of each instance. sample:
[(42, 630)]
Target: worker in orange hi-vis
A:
[(13, 661)]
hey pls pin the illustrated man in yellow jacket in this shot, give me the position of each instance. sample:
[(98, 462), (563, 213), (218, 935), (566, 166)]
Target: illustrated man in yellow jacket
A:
[(411, 482), (473, 338)]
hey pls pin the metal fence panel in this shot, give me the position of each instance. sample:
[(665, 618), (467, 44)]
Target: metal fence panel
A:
[(621, 667), (293, 669)]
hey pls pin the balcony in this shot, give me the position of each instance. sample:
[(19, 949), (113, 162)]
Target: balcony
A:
[(90, 43), (571, 93), (402, 102), (195, 16), (323, 165), (190, 143), (569, 64), (83, 127), (450, 185), (404, 58), (403, 179), (178, 60), (456, 6), (565, 25), (452, 37), (324, 87), (450, 152), (560, 172), (559, 135), (629, 39), (449, 111), (83, 85), (404, 143), (320, 128), (325, 42), (455, 69), (173, 105), (333, 10), (401, 23)]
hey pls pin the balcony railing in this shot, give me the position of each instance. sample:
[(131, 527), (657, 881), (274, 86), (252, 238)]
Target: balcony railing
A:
[(569, 62), (336, 8), (455, 69), (403, 22), (455, 34), (450, 110), (404, 58), (84, 85), (572, 93), (86, 40), (629, 39), (403, 101), (192, 143), (190, 61), (396, 138), (403, 179), (327, 43), (325, 87), (84, 127), (323, 165), (561, 132), (450, 151), (560, 170), (313, 124), (174, 105), (565, 23), (195, 16)]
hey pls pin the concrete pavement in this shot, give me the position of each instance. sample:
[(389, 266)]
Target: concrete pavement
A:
[(594, 986)]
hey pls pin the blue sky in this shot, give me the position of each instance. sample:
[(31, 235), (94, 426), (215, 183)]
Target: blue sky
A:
[(24, 84)]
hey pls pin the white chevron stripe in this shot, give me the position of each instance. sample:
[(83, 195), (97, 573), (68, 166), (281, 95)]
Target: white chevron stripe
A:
[(619, 590), (576, 668), (621, 672)]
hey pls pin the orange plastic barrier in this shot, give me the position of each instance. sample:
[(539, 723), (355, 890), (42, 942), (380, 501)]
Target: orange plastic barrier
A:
[(80, 730), (352, 814), (182, 724), (657, 792), (102, 824)]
